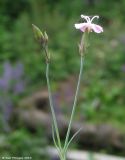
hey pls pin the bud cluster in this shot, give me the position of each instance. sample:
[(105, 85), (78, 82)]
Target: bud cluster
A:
[(42, 39)]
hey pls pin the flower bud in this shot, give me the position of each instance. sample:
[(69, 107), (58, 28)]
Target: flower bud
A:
[(38, 34), (43, 40)]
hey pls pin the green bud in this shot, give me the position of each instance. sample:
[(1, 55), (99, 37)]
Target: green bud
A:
[(38, 34), (43, 40)]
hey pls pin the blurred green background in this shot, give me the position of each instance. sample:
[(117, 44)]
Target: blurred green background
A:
[(22, 66)]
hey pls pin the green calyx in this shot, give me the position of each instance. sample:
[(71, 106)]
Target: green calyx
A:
[(83, 44)]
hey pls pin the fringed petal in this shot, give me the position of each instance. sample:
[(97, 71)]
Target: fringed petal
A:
[(96, 28), (81, 26)]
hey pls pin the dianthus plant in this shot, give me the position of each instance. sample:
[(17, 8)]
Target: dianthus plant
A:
[(42, 38)]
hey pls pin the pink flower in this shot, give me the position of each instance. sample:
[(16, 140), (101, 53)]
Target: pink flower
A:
[(89, 26)]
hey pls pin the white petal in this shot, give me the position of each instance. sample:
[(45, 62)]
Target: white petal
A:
[(81, 26), (96, 28)]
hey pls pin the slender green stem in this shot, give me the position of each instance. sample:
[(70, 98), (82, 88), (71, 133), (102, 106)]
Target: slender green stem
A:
[(74, 104), (52, 107), (65, 149)]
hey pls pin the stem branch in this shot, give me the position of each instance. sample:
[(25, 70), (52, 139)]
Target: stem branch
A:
[(74, 104), (52, 107)]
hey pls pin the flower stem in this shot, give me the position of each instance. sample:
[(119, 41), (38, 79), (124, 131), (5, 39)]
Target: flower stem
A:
[(52, 107), (74, 104)]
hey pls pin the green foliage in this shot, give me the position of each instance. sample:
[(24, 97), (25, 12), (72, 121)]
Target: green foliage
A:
[(21, 143), (104, 89)]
